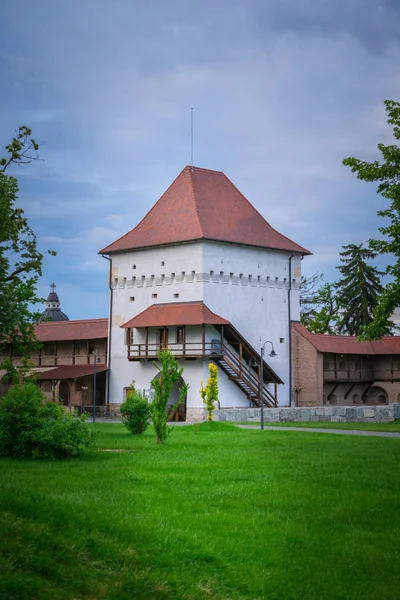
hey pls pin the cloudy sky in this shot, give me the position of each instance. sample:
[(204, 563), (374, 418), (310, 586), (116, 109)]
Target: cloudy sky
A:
[(282, 91)]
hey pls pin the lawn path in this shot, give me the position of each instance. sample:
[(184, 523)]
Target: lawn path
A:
[(363, 432)]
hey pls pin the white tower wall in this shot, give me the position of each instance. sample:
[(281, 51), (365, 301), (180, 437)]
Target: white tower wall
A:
[(247, 286)]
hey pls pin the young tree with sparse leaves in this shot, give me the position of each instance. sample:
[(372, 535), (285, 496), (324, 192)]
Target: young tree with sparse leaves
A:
[(387, 173), (20, 259), (358, 291), (170, 373)]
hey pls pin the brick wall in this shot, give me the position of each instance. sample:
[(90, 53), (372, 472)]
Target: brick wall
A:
[(307, 372)]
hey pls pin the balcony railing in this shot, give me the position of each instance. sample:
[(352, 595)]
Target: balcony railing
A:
[(184, 350), (354, 375), (61, 359)]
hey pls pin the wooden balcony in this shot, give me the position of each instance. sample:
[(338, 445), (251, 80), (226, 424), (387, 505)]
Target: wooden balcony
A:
[(238, 360)]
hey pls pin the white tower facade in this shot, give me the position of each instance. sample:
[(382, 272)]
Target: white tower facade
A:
[(206, 276)]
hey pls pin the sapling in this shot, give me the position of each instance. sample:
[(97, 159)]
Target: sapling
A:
[(170, 373)]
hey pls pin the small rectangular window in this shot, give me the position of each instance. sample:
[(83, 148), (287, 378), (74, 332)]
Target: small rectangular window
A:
[(47, 386), (281, 340), (176, 295), (129, 336), (49, 349), (180, 335), (132, 299), (154, 295), (80, 348)]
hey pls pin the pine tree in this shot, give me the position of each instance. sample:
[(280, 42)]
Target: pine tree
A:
[(358, 291)]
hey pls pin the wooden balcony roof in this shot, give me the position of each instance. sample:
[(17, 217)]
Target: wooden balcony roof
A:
[(70, 372), (175, 313)]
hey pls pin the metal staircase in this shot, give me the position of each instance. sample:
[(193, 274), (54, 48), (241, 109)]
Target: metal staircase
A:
[(245, 375)]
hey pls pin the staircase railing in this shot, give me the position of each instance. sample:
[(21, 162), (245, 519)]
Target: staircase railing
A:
[(245, 373)]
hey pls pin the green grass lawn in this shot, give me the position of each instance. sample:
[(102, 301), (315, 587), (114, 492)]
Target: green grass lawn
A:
[(218, 513), (393, 426)]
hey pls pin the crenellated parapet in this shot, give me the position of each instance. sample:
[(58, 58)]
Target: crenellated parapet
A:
[(221, 278)]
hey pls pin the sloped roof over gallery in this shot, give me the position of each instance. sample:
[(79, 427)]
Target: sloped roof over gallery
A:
[(349, 344), (203, 204), (176, 313), (65, 331), (70, 372)]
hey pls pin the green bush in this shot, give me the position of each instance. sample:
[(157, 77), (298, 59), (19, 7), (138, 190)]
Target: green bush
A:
[(135, 412), (31, 428)]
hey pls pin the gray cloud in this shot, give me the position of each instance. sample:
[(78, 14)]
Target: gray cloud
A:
[(282, 92)]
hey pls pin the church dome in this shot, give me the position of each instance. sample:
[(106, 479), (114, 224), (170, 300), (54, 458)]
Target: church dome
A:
[(53, 311)]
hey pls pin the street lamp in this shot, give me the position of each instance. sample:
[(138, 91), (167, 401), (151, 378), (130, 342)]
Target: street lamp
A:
[(271, 354), (96, 359)]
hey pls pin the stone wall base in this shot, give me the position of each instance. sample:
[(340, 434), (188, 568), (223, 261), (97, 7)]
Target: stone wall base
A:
[(114, 410), (333, 414), (198, 414)]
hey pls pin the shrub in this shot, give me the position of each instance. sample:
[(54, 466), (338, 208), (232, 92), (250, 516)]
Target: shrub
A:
[(209, 394), (32, 429), (135, 412)]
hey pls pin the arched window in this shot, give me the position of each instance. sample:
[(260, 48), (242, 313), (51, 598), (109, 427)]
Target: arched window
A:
[(376, 395)]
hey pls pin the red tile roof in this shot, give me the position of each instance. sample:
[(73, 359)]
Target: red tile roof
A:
[(203, 204), (179, 313), (70, 372), (58, 331), (348, 344)]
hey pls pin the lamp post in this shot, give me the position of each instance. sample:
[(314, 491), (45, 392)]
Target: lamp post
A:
[(271, 354), (252, 362), (96, 359), (84, 389)]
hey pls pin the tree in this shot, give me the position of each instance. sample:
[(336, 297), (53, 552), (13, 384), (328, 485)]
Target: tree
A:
[(309, 288), (20, 258), (387, 173), (325, 317), (319, 310), (358, 291), (170, 373)]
